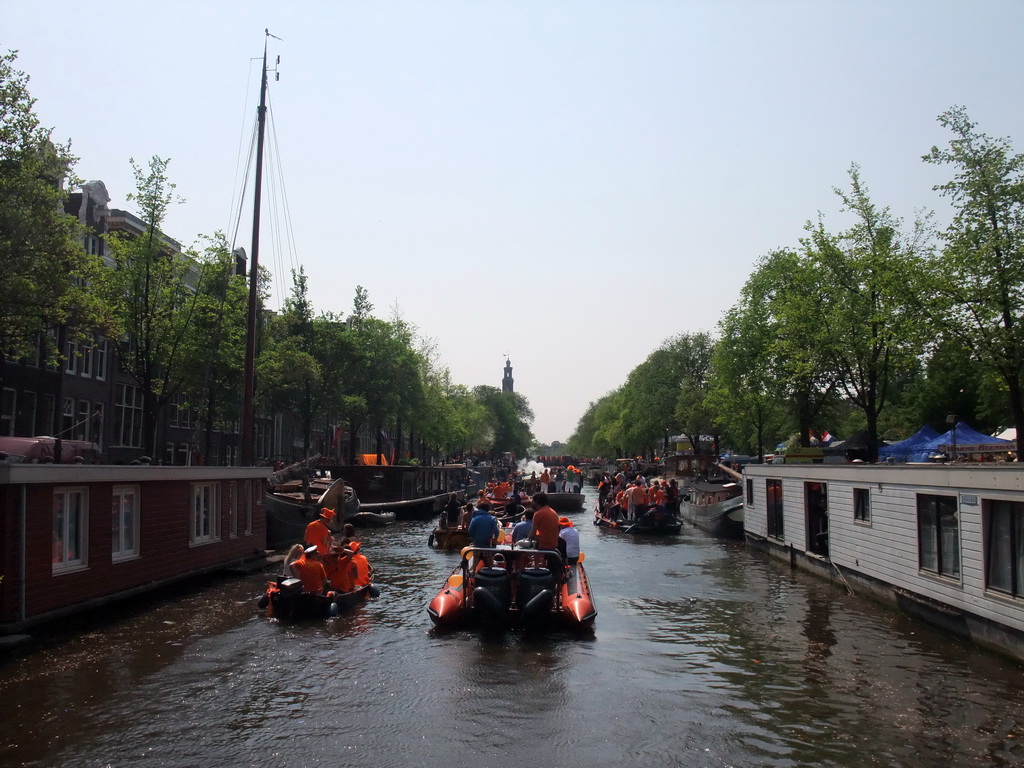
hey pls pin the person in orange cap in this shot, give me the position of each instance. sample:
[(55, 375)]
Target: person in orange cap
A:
[(318, 533), (568, 541)]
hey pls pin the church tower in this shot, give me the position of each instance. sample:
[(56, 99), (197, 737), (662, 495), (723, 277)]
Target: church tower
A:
[(507, 382)]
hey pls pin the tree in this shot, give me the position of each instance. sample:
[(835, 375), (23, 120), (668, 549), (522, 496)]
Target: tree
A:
[(151, 293), (975, 290), (49, 279), (869, 327), (213, 356), (744, 391)]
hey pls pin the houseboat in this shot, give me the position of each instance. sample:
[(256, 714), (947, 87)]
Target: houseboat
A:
[(717, 507), (75, 536), (943, 542)]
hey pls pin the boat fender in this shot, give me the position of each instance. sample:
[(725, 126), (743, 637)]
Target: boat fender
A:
[(430, 539), (333, 609)]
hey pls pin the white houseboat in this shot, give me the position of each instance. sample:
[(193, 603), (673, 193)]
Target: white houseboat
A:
[(944, 542)]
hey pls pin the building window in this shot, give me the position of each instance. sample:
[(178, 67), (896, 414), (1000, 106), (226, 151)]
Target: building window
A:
[(100, 361), (70, 529), (248, 506), (233, 509), (49, 414), (82, 424), (205, 513), (87, 359), (750, 492), (68, 420), (774, 507), (7, 406), (125, 523), (938, 535), (96, 431), (128, 413), (862, 505), (1004, 547), (71, 353)]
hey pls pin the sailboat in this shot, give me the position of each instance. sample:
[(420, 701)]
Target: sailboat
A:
[(295, 496)]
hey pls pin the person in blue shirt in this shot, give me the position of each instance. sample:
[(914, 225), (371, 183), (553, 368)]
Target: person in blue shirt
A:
[(521, 530), (483, 527)]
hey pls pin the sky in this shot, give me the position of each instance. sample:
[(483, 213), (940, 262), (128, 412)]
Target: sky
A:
[(565, 183)]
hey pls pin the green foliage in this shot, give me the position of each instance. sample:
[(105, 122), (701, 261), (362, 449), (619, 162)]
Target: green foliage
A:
[(49, 279), (869, 326), (151, 292), (975, 290)]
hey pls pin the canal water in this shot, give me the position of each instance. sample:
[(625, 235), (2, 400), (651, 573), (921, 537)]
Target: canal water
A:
[(704, 654)]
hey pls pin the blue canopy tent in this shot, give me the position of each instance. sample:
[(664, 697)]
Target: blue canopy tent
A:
[(904, 449), (963, 439)]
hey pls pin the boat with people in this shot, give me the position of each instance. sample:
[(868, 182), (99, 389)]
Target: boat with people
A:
[(716, 507), (496, 588), (655, 521), (285, 600)]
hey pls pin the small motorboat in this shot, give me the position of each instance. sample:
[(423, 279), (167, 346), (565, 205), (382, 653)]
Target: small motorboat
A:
[(526, 588), (655, 521), (285, 600), (448, 538)]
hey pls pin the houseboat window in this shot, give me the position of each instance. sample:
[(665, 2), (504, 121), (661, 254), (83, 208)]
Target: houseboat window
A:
[(750, 491), (938, 534), (774, 508), (233, 509), (1004, 547), (125, 523), (862, 505), (70, 528), (205, 513)]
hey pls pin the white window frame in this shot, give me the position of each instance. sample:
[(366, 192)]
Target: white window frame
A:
[(126, 506), (71, 364), (101, 358), (63, 513), (204, 513), (87, 359)]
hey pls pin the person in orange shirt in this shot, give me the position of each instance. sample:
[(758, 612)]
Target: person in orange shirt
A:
[(363, 569), (311, 571), (318, 534), (621, 504), (338, 565), (545, 523), (656, 495)]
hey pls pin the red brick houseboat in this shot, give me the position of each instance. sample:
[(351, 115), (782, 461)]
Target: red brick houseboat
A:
[(76, 536)]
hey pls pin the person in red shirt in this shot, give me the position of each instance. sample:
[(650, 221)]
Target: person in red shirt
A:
[(311, 571), (318, 534), (545, 523)]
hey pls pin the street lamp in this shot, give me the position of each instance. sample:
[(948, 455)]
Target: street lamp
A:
[(952, 419)]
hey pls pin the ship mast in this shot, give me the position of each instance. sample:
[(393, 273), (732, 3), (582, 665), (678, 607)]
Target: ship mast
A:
[(248, 397)]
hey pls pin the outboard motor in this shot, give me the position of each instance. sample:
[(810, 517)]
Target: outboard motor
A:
[(535, 594), (492, 594)]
